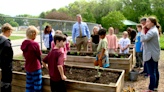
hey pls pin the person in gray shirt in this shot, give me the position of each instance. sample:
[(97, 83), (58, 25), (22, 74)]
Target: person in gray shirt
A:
[(151, 51)]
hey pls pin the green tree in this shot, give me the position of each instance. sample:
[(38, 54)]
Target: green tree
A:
[(42, 15), (63, 9), (157, 9), (88, 16), (113, 19), (14, 24), (134, 8)]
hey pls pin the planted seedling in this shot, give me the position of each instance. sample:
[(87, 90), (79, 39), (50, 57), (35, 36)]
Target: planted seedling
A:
[(122, 57), (94, 54), (115, 55), (72, 53), (78, 53), (98, 72)]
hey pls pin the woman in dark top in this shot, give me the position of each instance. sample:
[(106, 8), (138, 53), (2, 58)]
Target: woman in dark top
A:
[(132, 34), (95, 39)]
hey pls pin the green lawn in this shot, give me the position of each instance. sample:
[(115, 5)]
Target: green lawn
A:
[(162, 42), (16, 37), (20, 57)]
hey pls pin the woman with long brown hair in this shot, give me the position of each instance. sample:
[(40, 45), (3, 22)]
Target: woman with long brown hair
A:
[(132, 34), (48, 35), (151, 51)]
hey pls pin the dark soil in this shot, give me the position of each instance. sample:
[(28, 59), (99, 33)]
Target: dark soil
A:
[(81, 54), (94, 55), (88, 75), (119, 56)]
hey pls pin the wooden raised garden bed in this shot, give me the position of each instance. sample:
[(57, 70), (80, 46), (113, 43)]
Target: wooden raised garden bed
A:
[(87, 58), (131, 51), (80, 79)]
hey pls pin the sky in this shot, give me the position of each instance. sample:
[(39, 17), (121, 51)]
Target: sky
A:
[(32, 7)]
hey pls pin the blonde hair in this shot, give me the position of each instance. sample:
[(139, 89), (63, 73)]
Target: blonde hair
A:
[(6, 27), (95, 27), (58, 32), (125, 32), (111, 28), (30, 31)]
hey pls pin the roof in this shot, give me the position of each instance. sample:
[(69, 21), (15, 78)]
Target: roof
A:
[(128, 22)]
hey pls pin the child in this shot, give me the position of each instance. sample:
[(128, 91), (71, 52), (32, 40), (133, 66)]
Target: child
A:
[(112, 41), (95, 39), (48, 35), (6, 57), (32, 52), (52, 43), (102, 56), (124, 43), (63, 50), (55, 60), (67, 42), (138, 47)]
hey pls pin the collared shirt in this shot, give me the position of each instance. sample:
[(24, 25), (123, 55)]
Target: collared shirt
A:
[(76, 32)]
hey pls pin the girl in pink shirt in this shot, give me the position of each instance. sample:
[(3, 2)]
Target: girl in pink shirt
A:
[(64, 50), (112, 41)]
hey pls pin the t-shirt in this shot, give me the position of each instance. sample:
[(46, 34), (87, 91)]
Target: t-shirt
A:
[(123, 43), (63, 50), (31, 52), (95, 39), (138, 43), (133, 34), (112, 41), (54, 58), (103, 44)]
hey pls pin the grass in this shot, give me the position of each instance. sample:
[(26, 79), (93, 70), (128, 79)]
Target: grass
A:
[(16, 37), (69, 33), (20, 57), (162, 42)]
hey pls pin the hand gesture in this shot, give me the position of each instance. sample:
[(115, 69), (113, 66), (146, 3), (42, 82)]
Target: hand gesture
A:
[(141, 49), (115, 50), (74, 44)]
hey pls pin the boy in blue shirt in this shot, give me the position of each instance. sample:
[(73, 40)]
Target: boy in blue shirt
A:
[(138, 47)]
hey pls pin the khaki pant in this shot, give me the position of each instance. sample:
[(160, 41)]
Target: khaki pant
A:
[(81, 41), (94, 47)]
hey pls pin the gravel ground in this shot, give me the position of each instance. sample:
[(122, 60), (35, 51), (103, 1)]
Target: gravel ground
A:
[(142, 83)]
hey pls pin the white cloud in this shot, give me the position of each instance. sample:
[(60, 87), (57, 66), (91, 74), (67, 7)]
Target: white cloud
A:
[(32, 7)]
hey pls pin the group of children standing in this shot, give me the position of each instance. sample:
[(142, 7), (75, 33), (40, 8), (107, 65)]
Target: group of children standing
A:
[(104, 44), (54, 59), (32, 53)]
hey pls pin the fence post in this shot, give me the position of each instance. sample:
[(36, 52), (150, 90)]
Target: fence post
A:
[(41, 33)]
